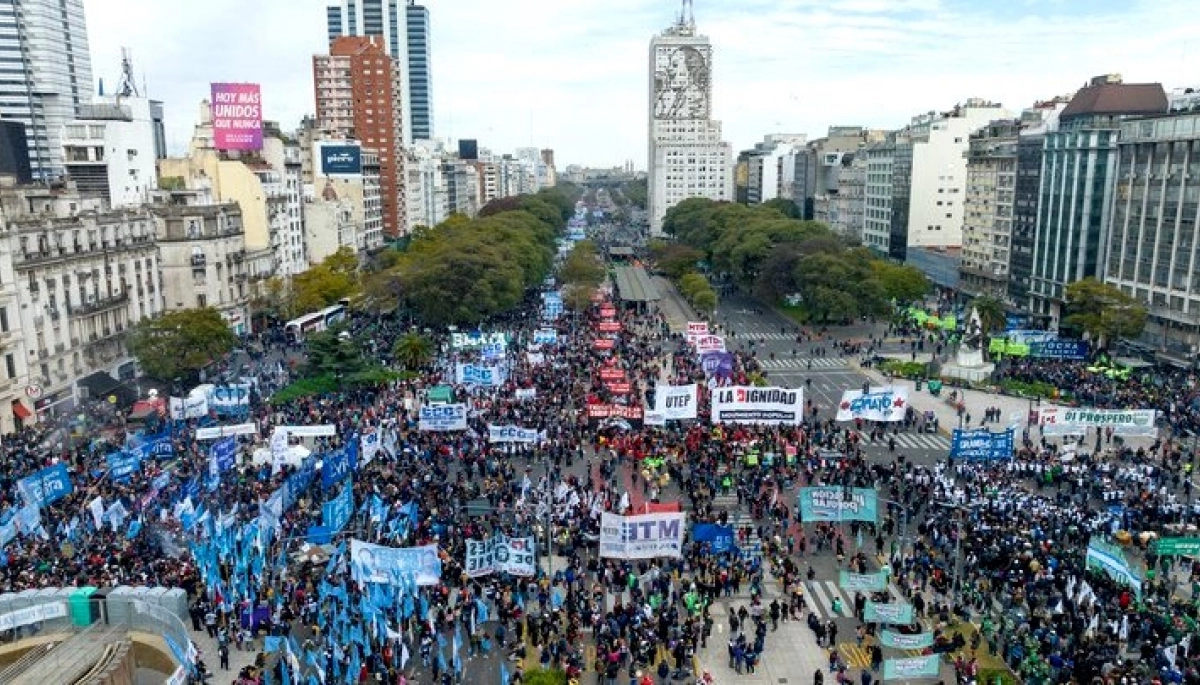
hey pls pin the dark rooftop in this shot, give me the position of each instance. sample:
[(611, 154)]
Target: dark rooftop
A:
[(1118, 98)]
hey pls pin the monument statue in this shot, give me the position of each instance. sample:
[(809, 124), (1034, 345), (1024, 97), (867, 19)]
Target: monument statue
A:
[(970, 351)]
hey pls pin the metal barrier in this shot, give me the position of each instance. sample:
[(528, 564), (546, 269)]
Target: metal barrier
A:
[(25, 617)]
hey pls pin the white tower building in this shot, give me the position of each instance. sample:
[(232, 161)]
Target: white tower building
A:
[(687, 157)]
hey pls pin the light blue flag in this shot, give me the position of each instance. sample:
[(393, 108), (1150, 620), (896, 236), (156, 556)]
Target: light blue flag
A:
[(503, 674), (481, 611), (442, 662)]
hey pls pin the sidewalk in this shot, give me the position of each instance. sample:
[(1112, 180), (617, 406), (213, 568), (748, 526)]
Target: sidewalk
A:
[(1013, 410), (674, 308)]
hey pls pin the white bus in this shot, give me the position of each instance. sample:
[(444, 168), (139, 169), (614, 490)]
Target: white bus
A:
[(316, 322)]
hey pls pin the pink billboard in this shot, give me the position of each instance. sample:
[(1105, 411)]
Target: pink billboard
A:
[(237, 116)]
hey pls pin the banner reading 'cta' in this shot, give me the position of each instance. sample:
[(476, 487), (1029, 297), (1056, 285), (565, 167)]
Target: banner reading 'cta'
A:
[(748, 404), (648, 536), (828, 503), (881, 404)]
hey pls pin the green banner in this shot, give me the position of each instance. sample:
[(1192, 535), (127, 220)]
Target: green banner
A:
[(896, 613), (949, 323), (835, 504), (1178, 547), (866, 582), (915, 667), (890, 638), (441, 393)]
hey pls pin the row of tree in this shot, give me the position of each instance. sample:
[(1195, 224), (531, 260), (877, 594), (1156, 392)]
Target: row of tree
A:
[(768, 251), (465, 270)]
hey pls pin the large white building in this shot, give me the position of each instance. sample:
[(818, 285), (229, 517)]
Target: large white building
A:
[(687, 157), (45, 74), (939, 171), (111, 149)]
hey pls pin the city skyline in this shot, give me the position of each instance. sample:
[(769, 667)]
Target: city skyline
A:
[(572, 76)]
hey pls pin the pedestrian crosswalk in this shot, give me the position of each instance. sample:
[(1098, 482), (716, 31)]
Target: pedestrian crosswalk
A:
[(911, 441), (825, 599), (742, 334), (803, 363), (738, 519), (859, 656)]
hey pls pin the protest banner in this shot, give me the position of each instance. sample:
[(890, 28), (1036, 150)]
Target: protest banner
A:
[(645, 536), (880, 404), (379, 564), (831, 503), (748, 404)]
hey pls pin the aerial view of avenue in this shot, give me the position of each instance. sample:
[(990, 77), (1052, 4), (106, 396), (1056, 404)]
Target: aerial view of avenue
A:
[(306, 380)]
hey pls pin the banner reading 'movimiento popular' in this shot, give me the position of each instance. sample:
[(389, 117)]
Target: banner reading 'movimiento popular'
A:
[(748, 404)]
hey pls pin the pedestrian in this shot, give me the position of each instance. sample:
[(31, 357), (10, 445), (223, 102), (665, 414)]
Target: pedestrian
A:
[(223, 655)]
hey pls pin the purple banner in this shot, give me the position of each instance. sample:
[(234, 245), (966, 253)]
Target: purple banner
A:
[(719, 364), (237, 116)]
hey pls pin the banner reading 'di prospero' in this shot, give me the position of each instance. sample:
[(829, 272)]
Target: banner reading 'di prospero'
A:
[(500, 554), (647, 536), (748, 404), (379, 564), (982, 445), (829, 503), (443, 417), (881, 404), (914, 667), (675, 402), (1072, 421)]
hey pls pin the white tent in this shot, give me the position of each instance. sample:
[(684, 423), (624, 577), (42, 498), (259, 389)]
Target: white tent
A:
[(293, 457)]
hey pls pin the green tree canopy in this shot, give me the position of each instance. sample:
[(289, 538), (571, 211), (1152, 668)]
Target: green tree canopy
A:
[(992, 316), (180, 343), (331, 353), (582, 266), (1103, 312), (413, 350)]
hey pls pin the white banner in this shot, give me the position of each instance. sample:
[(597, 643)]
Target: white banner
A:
[(653, 418), (748, 404), (369, 447), (500, 554), (470, 340), (697, 328), (214, 432), (709, 343), (881, 404), (322, 431), (443, 417), (1077, 421), (675, 402), (526, 394), (646, 536), (513, 434), (190, 407), (379, 564)]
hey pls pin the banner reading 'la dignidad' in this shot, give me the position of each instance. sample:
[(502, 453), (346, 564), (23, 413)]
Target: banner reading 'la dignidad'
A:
[(237, 116)]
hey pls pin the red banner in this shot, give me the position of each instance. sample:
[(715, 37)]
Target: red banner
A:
[(663, 507), (609, 373), (621, 388), (614, 411), (609, 326), (604, 343), (608, 311)]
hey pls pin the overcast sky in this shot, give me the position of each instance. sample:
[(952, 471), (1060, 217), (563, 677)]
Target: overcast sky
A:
[(571, 74)]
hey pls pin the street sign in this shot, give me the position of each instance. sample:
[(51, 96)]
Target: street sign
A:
[(1179, 547), (33, 391)]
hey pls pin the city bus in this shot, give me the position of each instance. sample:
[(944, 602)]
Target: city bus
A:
[(316, 322)]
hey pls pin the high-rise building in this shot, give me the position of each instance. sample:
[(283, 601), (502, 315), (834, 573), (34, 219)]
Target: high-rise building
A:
[(356, 92), (47, 74), (687, 157), (988, 208), (420, 80), (1035, 123), (111, 149), (1078, 163), (1152, 250), (841, 207), (404, 27)]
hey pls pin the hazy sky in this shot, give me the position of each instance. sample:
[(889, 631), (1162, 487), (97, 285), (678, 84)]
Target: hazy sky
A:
[(572, 74)]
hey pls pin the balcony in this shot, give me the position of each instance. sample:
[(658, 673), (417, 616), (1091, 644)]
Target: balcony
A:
[(105, 335), (99, 304)]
